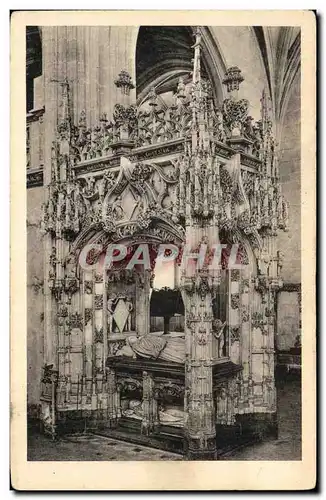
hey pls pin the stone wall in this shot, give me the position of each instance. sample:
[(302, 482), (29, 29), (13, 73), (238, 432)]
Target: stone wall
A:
[(34, 295), (290, 242), (288, 319), (90, 58), (290, 173), (239, 47)]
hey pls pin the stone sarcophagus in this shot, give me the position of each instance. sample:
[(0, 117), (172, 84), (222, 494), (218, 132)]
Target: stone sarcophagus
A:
[(192, 175)]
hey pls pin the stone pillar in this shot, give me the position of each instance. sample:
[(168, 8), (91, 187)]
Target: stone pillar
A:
[(149, 404), (50, 74), (94, 57), (143, 303), (197, 285), (234, 314), (113, 401), (88, 287)]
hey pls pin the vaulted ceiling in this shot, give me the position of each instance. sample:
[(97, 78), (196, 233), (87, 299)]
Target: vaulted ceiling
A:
[(163, 54), (280, 49)]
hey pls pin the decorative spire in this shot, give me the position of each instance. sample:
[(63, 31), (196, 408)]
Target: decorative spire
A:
[(65, 104), (265, 111), (196, 76), (64, 124)]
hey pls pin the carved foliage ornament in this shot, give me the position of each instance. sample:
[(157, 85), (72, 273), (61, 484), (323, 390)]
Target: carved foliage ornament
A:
[(235, 114), (98, 301), (124, 82), (75, 321), (98, 335), (88, 315), (141, 172), (235, 300), (257, 320), (234, 332)]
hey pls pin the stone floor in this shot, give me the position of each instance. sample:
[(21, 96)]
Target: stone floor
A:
[(89, 447), (288, 444), (94, 448)]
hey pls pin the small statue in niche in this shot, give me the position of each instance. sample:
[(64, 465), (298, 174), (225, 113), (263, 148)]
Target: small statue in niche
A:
[(219, 131), (101, 188), (280, 259), (117, 210), (130, 307), (193, 311), (71, 264), (218, 329), (181, 89), (89, 188), (111, 303), (222, 405), (263, 262)]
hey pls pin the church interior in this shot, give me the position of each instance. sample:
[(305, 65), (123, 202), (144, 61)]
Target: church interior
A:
[(163, 135)]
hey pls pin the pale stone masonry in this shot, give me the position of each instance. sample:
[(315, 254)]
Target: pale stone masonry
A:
[(175, 135)]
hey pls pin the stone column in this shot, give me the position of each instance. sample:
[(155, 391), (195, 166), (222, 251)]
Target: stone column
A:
[(50, 73), (197, 286), (234, 315), (94, 57), (148, 404), (143, 303), (113, 402), (88, 288)]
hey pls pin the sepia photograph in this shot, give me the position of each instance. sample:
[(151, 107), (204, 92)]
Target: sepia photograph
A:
[(163, 254)]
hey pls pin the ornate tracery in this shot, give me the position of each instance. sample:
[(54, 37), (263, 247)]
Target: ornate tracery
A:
[(187, 173)]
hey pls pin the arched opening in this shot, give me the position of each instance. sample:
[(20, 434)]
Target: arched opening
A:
[(166, 304), (165, 53)]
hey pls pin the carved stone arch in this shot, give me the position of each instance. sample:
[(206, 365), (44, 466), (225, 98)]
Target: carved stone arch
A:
[(158, 231), (249, 245), (129, 199), (88, 236)]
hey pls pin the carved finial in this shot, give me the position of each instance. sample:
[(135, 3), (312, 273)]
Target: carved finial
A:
[(198, 35), (265, 111), (233, 78), (124, 82)]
